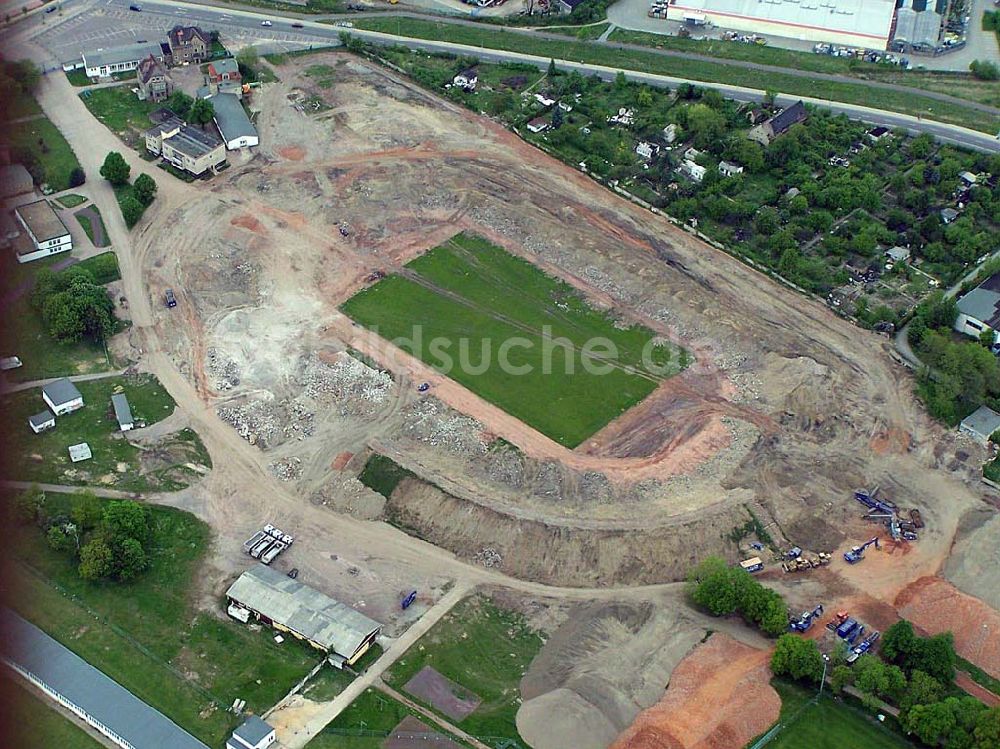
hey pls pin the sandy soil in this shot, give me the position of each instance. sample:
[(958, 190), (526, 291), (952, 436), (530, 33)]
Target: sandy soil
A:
[(719, 698)]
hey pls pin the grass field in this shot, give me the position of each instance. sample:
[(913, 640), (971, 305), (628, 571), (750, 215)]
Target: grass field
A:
[(468, 296), (147, 636), (119, 109), (84, 216), (104, 267), (382, 474), (44, 457), (41, 143), (30, 721), (497, 37), (829, 724), (71, 201), (484, 648)]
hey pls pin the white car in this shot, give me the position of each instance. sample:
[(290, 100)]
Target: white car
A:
[(266, 23)]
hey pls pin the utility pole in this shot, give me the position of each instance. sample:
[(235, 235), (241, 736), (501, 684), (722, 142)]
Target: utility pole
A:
[(826, 661)]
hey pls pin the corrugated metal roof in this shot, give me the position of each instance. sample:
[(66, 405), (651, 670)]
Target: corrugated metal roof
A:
[(332, 624), (114, 55), (83, 685), (983, 421), (122, 410)]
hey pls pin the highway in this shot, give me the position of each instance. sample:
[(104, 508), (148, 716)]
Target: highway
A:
[(244, 26)]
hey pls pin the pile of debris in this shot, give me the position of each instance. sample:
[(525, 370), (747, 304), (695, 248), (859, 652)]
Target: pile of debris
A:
[(286, 469), (256, 421), (432, 422), (489, 557), (301, 421), (348, 381), (225, 371)]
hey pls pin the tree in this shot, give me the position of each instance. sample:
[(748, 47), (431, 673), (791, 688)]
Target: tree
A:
[(132, 210), (202, 112), (145, 189), (984, 70), (645, 97), (898, 640), (872, 676), (75, 307), (711, 586), (921, 690), (87, 510), (180, 104), (706, 124), (77, 177), (130, 560), (553, 70), (26, 74), (930, 722), (115, 169), (797, 657), (64, 538), (29, 505), (840, 677), (935, 656), (127, 519), (96, 559), (987, 730)]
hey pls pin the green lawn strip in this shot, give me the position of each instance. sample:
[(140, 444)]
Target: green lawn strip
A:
[(31, 720), (115, 463), (829, 724), (103, 267), (907, 102), (146, 636), (119, 109), (485, 649), (71, 201), (88, 229), (470, 296), (365, 723), (382, 474), (84, 216), (39, 145), (590, 31), (979, 676)]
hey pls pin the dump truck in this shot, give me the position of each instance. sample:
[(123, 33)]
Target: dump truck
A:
[(269, 556), (847, 627), (753, 564), (839, 618)]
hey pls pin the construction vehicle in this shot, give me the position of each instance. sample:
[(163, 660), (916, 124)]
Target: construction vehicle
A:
[(857, 553), (909, 536), (847, 627), (856, 634), (293, 572), (269, 556), (916, 519), (423, 387), (863, 647), (805, 621), (807, 563), (868, 499), (255, 539), (837, 620), (753, 564), (408, 601)]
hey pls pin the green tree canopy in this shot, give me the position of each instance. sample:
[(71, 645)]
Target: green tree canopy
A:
[(115, 169), (145, 189), (797, 657), (180, 104), (202, 112)]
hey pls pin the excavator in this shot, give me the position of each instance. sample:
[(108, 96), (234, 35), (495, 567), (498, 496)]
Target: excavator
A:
[(856, 554)]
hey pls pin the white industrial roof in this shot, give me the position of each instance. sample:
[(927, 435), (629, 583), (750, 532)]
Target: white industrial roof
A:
[(866, 18)]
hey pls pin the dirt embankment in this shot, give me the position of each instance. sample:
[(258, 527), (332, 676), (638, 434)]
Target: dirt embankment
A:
[(719, 698), (561, 554), (935, 605)]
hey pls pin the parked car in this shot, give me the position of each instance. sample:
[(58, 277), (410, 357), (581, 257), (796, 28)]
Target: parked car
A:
[(170, 299), (293, 572), (266, 23), (296, 25), (136, 8), (52, 9)]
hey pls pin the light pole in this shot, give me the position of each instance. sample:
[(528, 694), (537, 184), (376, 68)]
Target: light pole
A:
[(822, 681)]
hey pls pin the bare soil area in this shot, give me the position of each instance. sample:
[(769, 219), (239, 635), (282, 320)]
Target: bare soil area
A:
[(719, 697)]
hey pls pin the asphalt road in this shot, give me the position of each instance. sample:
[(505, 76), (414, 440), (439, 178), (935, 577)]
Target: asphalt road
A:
[(83, 22)]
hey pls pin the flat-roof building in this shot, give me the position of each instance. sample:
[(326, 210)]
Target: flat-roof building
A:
[(104, 62), (186, 147), (979, 310), (981, 424), (857, 23), (76, 685), (293, 607), (45, 230)]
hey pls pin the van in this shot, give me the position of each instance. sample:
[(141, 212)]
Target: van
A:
[(170, 299)]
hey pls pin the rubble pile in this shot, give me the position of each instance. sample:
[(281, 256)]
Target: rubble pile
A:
[(225, 371), (433, 423), (350, 382), (258, 422), (489, 557), (286, 469), (301, 421), (505, 465)]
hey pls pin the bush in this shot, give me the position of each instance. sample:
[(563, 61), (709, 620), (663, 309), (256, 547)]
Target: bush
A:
[(77, 177), (115, 169), (984, 70), (132, 210), (722, 590), (797, 657)]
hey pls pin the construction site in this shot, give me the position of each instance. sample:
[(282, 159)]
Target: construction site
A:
[(756, 447)]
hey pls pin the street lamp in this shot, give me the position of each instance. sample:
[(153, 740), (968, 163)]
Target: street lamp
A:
[(822, 681)]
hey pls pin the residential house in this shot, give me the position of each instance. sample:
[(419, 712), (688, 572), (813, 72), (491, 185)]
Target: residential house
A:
[(154, 83), (234, 125), (185, 146), (62, 397), (692, 154), (728, 169), (46, 234), (538, 124), (123, 412), (253, 733), (670, 133), (103, 63), (545, 98), (565, 106), (692, 170), (968, 178), (779, 124), (647, 151), (15, 180), (981, 424), (188, 44), (42, 421), (898, 254), (225, 78), (979, 310), (878, 133), (467, 80), (948, 215)]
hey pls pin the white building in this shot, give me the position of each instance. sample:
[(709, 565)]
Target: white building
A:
[(979, 310), (46, 233), (646, 151), (727, 169), (62, 397), (253, 733), (467, 80), (123, 413), (538, 124), (42, 421), (80, 452), (234, 125), (670, 133), (102, 63), (692, 170), (854, 23)]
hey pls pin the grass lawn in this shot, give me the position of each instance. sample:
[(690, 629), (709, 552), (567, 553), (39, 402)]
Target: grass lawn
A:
[(31, 720), (119, 109), (103, 267), (44, 457), (979, 676), (146, 634), (829, 724), (39, 142), (497, 37), (88, 227), (484, 648), (469, 296), (369, 718), (382, 474), (71, 201)]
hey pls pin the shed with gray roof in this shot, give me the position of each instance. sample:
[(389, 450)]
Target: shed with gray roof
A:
[(306, 613), (123, 413), (979, 310), (234, 125), (62, 396), (253, 733), (982, 423), (104, 704), (42, 421)]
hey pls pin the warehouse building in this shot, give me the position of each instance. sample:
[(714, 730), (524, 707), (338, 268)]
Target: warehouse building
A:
[(856, 23), (918, 23), (79, 687), (304, 612), (102, 63)]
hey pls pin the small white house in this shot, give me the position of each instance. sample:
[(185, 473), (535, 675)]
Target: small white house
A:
[(80, 452), (253, 733), (47, 233), (123, 413), (728, 169), (545, 98), (670, 133), (62, 397), (692, 170), (538, 124), (646, 151), (467, 80), (898, 254), (42, 421)]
